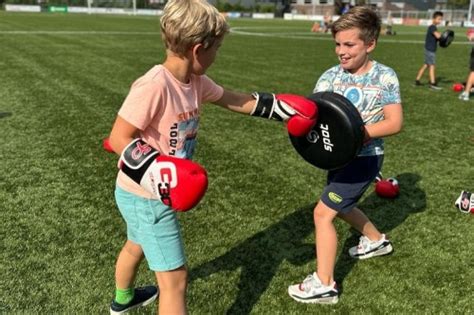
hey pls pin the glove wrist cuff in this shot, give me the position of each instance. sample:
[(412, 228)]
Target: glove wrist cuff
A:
[(264, 105)]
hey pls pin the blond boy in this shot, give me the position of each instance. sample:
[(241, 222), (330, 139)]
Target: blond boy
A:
[(162, 109)]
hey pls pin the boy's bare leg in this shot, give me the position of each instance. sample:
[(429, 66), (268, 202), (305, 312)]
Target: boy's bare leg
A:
[(421, 72), (326, 242), (359, 221), (172, 286), (469, 83), (432, 74), (127, 264)]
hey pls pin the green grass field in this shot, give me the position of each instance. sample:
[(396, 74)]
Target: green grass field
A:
[(63, 79)]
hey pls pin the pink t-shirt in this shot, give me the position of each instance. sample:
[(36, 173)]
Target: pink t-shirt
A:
[(167, 113)]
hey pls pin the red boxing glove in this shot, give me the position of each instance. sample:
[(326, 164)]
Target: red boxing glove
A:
[(458, 87), (106, 145), (178, 183), (465, 202), (387, 188), (300, 112)]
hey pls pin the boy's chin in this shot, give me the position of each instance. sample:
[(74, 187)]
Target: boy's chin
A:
[(349, 68)]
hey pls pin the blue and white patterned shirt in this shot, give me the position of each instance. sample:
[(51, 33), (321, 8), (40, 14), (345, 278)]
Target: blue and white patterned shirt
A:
[(369, 93)]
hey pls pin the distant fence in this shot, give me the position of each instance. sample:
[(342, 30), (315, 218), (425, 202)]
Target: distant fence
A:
[(453, 17)]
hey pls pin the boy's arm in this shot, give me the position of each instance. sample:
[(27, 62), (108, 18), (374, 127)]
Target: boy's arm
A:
[(236, 102), (122, 134), (390, 125), (299, 112), (435, 33)]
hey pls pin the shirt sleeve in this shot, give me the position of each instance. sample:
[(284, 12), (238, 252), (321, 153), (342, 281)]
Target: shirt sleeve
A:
[(325, 82), (142, 103), (211, 92), (391, 88)]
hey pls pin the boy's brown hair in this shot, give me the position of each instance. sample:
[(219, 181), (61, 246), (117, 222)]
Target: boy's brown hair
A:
[(186, 23), (363, 18), (437, 13)]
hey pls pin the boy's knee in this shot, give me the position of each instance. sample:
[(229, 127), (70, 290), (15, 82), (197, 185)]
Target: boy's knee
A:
[(323, 213), (133, 249), (173, 280)]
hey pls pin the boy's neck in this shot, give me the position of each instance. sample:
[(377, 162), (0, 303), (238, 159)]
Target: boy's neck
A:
[(179, 67), (366, 66)]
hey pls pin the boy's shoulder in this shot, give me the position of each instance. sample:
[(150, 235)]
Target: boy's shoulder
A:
[(155, 73), (381, 68), (384, 75), (332, 71)]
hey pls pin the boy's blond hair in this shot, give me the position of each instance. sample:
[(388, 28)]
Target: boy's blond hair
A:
[(363, 18), (186, 23)]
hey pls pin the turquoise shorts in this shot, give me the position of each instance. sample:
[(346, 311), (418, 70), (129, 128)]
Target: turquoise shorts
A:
[(155, 228)]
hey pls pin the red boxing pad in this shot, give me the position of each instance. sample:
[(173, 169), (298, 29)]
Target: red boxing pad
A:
[(305, 117), (387, 188), (106, 145)]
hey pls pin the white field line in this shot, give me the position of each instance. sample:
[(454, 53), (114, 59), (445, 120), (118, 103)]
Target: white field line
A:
[(234, 30), (309, 35), (76, 33)]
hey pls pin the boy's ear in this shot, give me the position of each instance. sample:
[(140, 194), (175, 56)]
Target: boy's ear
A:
[(196, 49), (371, 45)]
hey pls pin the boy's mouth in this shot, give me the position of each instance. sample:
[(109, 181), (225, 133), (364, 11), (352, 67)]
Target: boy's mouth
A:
[(344, 60)]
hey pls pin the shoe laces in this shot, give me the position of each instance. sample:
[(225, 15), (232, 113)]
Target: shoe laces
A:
[(310, 282), (364, 242)]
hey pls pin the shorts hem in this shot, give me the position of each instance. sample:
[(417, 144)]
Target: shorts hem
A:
[(169, 267), (343, 210)]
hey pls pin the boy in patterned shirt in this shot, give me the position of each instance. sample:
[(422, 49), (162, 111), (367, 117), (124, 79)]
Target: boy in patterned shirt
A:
[(373, 88)]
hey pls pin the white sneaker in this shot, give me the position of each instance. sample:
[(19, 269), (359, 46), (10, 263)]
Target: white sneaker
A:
[(464, 96), (313, 291), (368, 248)]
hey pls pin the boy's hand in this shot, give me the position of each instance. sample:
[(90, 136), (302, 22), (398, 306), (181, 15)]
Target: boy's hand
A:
[(178, 183), (300, 112), (367, 137), (470, 34)]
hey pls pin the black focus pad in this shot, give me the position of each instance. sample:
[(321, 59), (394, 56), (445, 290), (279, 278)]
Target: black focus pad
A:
[(338, 135), (446, 38)]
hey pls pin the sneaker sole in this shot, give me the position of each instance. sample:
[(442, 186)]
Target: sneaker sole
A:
[(144, 303), (328, 300), (387, 250)]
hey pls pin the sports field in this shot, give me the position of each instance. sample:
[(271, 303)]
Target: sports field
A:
[(63, 79)]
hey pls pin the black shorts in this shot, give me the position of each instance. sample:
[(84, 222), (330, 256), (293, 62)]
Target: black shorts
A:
[(345, 186)]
